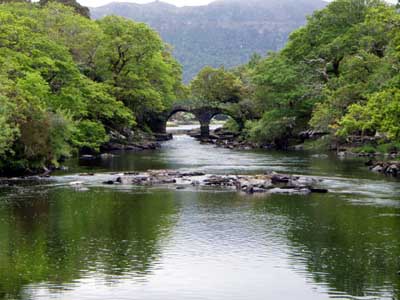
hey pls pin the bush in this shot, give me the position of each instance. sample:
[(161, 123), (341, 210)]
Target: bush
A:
[(232, 126), (271, 128), (368, 148), (90, 135), (389, 147)]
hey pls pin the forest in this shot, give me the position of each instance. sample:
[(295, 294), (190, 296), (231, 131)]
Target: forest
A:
[(337, 77), (66, 81)]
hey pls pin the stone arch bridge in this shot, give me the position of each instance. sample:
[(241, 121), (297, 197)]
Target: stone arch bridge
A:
[(203, 115)]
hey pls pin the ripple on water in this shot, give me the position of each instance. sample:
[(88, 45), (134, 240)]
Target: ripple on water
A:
[(127, 243)]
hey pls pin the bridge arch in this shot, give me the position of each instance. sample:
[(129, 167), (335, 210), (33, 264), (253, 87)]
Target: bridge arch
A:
[(176, 117), (202, 114), (177, 110)]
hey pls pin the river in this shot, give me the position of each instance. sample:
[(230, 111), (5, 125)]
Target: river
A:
[(110, 242)]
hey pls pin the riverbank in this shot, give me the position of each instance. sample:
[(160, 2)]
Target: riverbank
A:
[(391, 168), (386, 162), (225, 139), (137, 140), (124, 140), (173, 225)]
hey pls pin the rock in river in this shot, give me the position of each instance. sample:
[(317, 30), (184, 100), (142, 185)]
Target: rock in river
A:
[(250, 184)]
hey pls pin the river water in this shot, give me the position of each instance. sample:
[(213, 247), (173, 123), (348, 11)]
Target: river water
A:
[(100, 242)]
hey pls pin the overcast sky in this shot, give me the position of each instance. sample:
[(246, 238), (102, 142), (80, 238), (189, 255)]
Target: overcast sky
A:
[(94, 3)]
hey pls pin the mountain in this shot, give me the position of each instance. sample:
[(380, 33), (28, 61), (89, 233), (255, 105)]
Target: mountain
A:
[(225, 32)]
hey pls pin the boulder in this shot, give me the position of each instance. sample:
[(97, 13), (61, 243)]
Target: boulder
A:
[(250, 184), (106, 155), (377, 168), (393, 169), (277, 178)]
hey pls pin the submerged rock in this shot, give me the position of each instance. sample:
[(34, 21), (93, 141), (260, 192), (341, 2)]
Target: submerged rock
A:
[(385, 167), (108, 182)]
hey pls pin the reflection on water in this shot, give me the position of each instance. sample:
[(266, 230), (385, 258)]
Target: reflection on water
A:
[(103, 243), (184, 152)]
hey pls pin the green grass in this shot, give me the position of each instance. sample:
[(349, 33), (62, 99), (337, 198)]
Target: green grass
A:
[(389, 147), (380, 148), (368, 148), (321, 144)]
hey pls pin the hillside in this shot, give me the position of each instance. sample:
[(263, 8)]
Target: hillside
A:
[(224, 32)]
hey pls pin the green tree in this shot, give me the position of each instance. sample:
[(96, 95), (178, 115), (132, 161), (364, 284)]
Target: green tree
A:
[(333, 73), (216, 86), (79, 9), (61, 90), (137, 66), (380, 114)]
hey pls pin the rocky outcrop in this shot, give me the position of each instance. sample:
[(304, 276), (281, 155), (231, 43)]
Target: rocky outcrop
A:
[(131, 141), (385, 167), (200, 34), (311, 134), (249, 184), (223, 138)]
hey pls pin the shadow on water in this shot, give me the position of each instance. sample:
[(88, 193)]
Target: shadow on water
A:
[(62, 235), (55, 242), (110, 243), (352, 250)]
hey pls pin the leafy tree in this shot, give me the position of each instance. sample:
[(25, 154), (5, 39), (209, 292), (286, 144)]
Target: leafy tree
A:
[(138, 67), (281, 92), (380, 114), (89, 134), (79, 9), (8, 129), (339, 74), (63, 85), (216, 86)]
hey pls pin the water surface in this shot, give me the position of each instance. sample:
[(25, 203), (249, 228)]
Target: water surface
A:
[(59, 242)]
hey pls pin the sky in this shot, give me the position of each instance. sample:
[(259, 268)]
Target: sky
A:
[(95, 3)]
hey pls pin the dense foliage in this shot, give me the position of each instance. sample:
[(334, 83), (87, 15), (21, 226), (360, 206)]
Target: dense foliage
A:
[(65, 81), (339, 74), (216, 86), (225, 32), (82, 10)]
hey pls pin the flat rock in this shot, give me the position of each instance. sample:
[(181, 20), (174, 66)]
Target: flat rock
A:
[(250, 184)]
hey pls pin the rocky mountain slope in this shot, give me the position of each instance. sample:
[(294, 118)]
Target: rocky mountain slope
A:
[(225, 32)]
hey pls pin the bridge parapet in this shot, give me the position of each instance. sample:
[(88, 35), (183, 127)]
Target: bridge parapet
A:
[(203, 114)]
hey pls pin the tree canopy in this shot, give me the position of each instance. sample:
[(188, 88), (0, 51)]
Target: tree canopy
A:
[(338, 74), (66, 80)]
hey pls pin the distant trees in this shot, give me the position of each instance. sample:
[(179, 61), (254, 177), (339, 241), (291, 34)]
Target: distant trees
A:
[(79, 9)]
